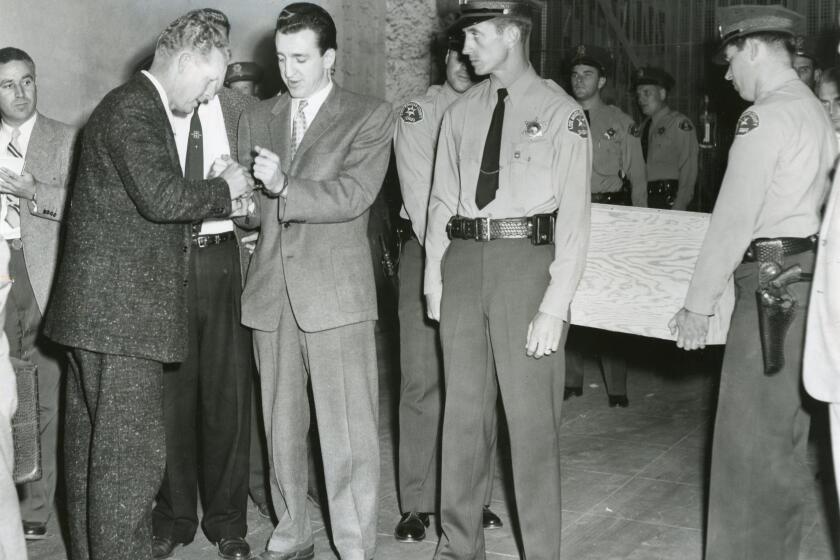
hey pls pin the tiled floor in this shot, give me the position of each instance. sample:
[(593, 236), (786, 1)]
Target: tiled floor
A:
[(633, 479)]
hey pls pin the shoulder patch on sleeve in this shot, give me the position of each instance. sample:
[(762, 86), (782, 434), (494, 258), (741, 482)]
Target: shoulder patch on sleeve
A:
[(411, 113), (686, 125), (634, 130), (747, 122), (577, 124)]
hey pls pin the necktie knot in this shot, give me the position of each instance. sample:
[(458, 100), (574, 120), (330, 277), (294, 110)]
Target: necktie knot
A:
[(14, 148), (502, 93)]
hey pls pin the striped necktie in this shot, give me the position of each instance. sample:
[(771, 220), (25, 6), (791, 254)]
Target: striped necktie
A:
[(13, 202), (299, 126)]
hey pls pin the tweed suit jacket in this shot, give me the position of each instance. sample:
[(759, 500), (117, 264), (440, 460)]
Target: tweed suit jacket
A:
[(49, 158), (314, 242), (233, 104), (121, 282)]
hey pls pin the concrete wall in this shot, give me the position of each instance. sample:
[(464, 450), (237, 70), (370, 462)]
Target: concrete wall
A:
[(85, 48)]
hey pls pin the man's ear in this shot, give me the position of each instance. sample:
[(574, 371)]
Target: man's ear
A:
[(602, 81), (663, 94), (512, 34), (817, 75), (184, 58), (329, 58)]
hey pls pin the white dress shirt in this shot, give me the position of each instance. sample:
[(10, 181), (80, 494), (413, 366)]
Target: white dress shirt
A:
[(314, 103)]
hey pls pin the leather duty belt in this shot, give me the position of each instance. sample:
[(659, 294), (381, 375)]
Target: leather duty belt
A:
[(765, 248), (202, 241), (538, 228)]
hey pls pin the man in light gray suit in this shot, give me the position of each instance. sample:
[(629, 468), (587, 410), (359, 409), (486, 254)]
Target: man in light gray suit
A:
[(30, 215), (321, 153)]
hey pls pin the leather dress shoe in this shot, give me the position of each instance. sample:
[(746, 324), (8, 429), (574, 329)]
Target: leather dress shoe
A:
[(163, 547), (489, 519), (307, 553), (34, 530), (619, 400), (234, 548), (572, 392), (412, 527)]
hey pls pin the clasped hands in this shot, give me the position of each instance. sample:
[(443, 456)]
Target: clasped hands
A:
[(544, 331)]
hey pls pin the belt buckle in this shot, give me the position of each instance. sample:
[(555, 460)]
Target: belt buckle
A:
[(201, 241), (482, 229)]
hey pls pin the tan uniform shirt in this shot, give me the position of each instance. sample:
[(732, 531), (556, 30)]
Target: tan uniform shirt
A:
[(672, 152), (415, 138), (545, 164), (774, 186), (616, 148)]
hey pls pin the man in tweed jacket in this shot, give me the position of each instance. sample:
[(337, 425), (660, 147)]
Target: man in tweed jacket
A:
[(119, 300), (207, 397)]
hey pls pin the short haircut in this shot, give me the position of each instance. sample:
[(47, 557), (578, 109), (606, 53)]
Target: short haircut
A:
[(12, 54), (199, 30), (780, 41), (303, 15), (831, 75), (523, 23)]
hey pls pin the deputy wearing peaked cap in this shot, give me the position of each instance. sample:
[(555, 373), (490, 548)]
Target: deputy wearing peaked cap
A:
[(244, 77), (421, 368), (618, 177), (669, 142), (764, 220), (805, 61), (509, 207)]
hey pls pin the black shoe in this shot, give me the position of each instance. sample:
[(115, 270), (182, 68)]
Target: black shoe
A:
[(412, 527), (619, 400), (490, 520), (163, 547), (234, 548), (572, 392), (34, 530)]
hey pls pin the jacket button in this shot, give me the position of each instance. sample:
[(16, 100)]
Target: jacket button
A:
[(286, 225), (185, 283)]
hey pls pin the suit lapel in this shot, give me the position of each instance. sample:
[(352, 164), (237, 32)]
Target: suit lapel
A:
[(38, 145), (143, 83), (279, 131), (231, 118), (323, 120)]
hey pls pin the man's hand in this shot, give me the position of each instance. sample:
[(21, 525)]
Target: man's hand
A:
[(691, 329), (250, 241), (222, 162), (433, 306), (544, 335), (267, 170), (238, 181), (22, 186), (240, 207)]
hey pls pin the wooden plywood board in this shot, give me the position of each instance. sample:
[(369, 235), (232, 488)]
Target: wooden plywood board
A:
[(638, 268)]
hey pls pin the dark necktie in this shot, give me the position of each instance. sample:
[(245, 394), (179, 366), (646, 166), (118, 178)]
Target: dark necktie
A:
[(488, 174), (588, 120), (194, 165), (645, 136)]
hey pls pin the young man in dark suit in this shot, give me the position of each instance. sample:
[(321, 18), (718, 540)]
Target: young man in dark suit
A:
[(120, 297), (30, 221), (321, 153)]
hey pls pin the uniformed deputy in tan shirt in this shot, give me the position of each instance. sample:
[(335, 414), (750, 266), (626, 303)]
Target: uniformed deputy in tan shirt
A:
[(770, 199), (668, 140), (616, 147), (545, 158)]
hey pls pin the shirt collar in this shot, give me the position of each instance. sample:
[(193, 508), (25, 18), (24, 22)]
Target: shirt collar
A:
[(314, 101), (163, 97), (25, 128), (778, 79), (520, 86)]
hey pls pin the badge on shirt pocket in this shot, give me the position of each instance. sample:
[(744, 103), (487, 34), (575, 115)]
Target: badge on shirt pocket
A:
[(534, 128)]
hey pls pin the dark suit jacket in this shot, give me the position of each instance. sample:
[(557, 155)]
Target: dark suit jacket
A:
[(233, 104), (121, 282), (319, 252), (49, 157)]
